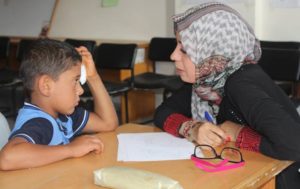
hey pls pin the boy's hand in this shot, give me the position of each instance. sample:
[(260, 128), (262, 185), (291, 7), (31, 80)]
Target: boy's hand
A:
[(87, 60), (84, 144)]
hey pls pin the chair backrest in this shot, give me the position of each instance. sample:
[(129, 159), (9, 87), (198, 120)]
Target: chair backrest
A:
[(23, 48), (4, 47), (281, 60), (280, 44), (115, 56), (4, 130), (160, 49), (89, 44)]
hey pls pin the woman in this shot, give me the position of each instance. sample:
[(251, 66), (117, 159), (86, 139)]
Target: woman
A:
[(216, 55)]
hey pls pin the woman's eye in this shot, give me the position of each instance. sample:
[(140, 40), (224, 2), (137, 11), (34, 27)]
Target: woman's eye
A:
[(183, 51)]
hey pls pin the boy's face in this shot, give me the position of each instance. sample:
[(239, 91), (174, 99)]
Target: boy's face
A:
[(66, 91)]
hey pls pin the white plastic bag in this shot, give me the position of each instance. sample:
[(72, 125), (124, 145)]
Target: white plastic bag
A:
[(131, 178)]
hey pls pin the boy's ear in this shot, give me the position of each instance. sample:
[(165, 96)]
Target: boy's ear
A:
[(45, 85)]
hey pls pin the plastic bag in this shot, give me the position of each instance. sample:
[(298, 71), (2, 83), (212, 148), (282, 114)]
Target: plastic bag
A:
[(131, 178)]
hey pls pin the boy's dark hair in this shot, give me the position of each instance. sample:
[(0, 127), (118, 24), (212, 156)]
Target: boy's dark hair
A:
[(47, 56)]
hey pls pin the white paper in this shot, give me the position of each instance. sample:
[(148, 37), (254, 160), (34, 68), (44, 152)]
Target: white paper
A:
[(155, 146), (82, 78)]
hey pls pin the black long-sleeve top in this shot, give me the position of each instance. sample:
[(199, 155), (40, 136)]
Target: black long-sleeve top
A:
[(251, 99)]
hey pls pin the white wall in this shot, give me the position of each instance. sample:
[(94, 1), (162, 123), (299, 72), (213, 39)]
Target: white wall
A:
[(24, 17), (129, 20), (134, 19), (277, 24)]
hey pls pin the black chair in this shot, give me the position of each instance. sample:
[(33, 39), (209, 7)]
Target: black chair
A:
[(5, 76), (110, 56), (23, 46), (8, 78), (160, 50), (280, 60), (89, 44)]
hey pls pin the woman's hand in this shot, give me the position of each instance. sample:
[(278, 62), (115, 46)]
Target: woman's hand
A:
[(209, 134), (203, 133), (231, 129)]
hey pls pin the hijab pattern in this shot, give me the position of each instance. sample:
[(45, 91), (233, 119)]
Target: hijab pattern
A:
[(219, 42)]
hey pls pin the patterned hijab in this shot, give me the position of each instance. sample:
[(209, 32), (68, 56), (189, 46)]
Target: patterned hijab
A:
[(219, 42)]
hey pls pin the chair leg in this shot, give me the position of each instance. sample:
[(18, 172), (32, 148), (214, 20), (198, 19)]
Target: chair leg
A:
[(126, 107), (14, 103)]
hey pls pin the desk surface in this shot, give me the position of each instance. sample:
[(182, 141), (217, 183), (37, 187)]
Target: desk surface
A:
[(78, 172)]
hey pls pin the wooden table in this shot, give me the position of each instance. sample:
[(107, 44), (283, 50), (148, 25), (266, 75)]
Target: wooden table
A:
[(259, 170)]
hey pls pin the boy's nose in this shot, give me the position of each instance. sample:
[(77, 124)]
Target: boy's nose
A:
[(80, 90)]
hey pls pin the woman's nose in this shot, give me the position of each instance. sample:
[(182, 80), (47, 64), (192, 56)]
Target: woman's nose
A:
[(175, 56)]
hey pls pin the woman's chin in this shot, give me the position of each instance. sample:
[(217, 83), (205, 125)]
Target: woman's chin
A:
[(186, 79)]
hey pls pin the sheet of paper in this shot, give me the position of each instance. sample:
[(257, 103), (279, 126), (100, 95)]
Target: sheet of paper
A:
[(156, 146)]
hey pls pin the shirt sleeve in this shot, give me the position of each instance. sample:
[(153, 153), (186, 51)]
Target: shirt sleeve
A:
[(79, 117), (248, 139), (36, 131), (173, 123)]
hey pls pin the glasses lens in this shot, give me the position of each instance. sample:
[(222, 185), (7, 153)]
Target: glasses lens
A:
[(231, 154), (205, 152)]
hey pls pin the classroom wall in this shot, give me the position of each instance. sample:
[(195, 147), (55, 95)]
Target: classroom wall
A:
[(277, 23), (129, 20), (24, 17), (135, 19)]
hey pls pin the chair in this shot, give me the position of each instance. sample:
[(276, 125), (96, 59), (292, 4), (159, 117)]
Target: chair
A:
[(4, 130), (160, 50), (89, 44), (7, 78), (112, 56), (280, 60), (23, 47)]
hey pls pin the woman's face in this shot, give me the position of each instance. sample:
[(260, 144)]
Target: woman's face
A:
[(184, 65)]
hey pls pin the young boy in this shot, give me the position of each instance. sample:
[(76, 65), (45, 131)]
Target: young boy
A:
[(47, 125)]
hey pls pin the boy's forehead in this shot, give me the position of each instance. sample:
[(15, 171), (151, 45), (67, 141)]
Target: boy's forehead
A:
[(72, 71)]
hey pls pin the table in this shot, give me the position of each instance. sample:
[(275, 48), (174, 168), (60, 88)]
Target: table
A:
[(259, 170)]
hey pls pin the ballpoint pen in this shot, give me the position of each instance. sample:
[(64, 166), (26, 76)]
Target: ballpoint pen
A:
[(208, 117)]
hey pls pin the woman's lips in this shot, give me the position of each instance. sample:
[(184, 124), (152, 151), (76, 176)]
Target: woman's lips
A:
[(179, 71)]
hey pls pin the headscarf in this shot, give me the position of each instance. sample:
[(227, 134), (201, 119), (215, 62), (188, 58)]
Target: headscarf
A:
[(218, 41)]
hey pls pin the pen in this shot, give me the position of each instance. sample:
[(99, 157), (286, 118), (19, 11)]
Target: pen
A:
[(208, 117)]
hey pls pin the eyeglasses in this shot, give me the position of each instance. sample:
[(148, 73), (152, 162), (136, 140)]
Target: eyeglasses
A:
[(227, 155)]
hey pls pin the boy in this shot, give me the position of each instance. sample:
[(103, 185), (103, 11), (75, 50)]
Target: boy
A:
[(47, 125)]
